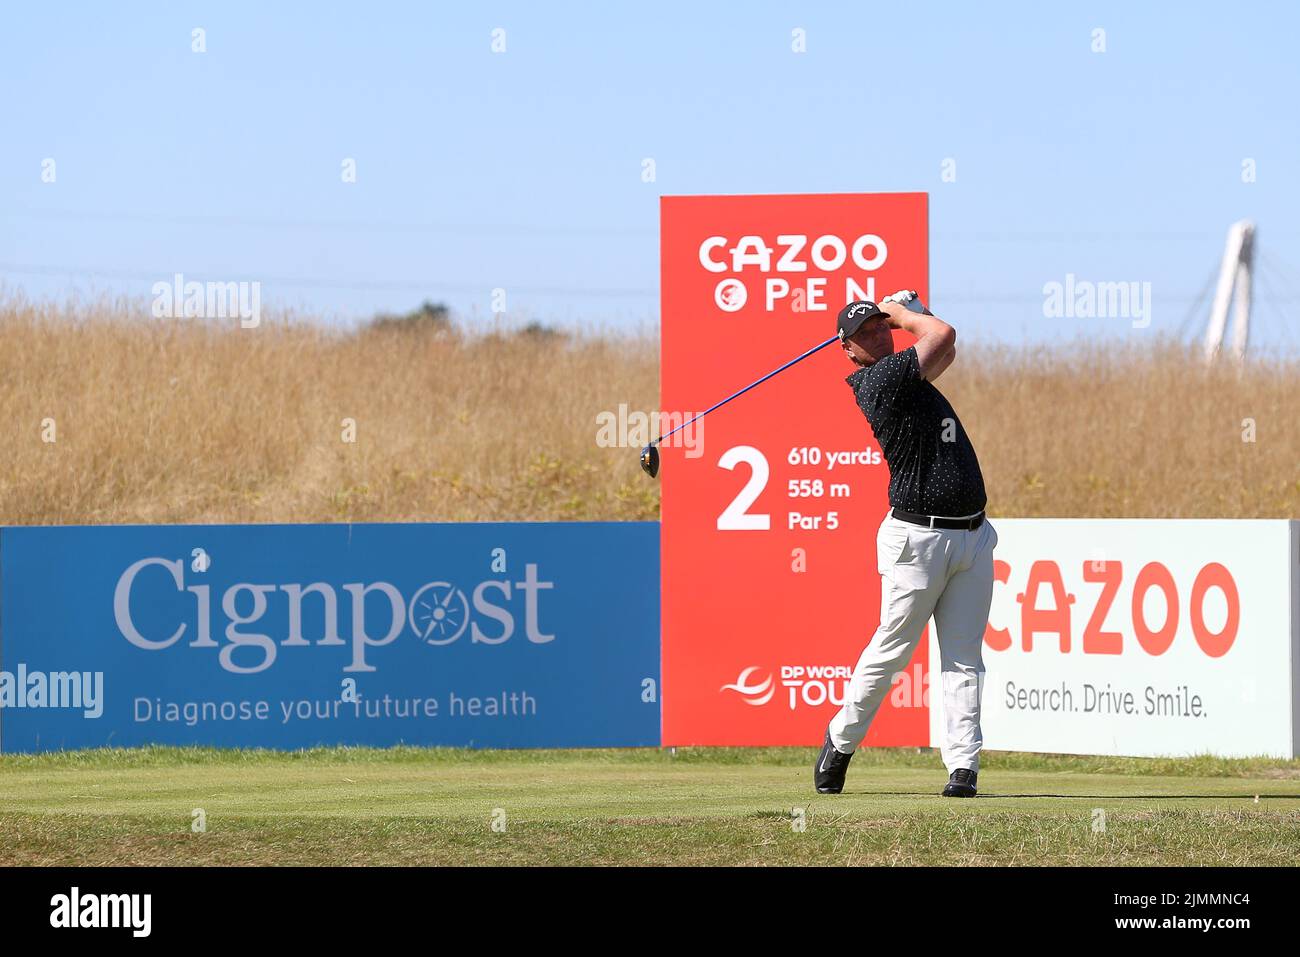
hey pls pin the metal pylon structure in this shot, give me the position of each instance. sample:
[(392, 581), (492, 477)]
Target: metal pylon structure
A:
[(1234, 278)]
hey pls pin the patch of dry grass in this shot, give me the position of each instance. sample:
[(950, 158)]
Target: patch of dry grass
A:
[(1110, 431), (185, 421)]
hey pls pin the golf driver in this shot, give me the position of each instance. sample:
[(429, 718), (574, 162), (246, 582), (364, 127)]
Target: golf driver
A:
[(650, 454)]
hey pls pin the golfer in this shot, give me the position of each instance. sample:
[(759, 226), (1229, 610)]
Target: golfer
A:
[(934, 549)]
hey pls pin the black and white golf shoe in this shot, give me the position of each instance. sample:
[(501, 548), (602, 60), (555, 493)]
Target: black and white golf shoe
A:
[(961, 784), (828, 772)]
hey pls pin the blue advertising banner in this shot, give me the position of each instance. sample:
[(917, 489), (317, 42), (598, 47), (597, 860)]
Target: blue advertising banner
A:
[(509, 635)]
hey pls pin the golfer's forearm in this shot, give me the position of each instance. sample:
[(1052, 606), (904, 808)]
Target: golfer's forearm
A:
[(934, 340), (941, 364), (922, 325)]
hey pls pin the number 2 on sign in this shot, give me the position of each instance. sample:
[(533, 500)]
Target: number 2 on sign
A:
[(734, 517)]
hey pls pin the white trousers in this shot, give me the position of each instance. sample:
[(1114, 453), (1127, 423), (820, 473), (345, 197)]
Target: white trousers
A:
[(924, 572)]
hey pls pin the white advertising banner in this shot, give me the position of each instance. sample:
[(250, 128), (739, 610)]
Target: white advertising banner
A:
[(1142, 637)]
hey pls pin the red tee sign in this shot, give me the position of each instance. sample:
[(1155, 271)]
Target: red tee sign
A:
[(771, 504)]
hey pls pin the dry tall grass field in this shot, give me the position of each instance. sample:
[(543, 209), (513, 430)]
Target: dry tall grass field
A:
[(182, 421)]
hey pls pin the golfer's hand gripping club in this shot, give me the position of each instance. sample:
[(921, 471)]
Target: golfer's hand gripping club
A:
[(909, 300)]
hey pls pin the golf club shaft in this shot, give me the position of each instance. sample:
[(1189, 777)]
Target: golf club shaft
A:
[(757, 382)]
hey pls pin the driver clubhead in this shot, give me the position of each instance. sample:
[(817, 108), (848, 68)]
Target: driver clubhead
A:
[(650, 461)]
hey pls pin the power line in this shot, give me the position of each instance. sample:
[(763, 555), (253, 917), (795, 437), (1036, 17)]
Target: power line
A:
[(548, 229), (409, 285), (206, 220), (1198, 304)]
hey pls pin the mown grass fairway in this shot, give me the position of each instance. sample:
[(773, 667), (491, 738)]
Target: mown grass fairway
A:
[(698, 806)]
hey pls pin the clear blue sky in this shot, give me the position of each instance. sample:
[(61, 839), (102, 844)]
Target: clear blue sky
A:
[(523, 169)]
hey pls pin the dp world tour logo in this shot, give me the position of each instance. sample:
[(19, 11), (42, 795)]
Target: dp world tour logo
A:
[(756, 693), (811, 685)]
